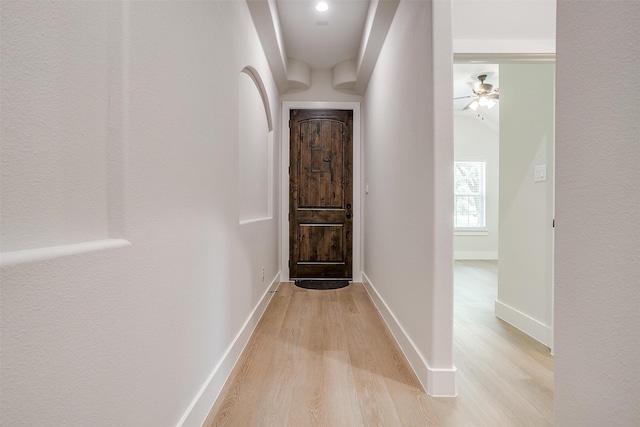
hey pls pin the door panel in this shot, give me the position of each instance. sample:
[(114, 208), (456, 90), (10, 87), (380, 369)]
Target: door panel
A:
[(321, 188)]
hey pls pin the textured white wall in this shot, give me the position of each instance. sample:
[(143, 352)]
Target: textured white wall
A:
[(597, 273), (129, 336), (55, 121), (526, 207), (474, 140), (399, 211)]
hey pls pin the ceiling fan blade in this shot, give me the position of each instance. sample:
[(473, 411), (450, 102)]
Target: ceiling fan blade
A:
[(466, 107), (463, 97)]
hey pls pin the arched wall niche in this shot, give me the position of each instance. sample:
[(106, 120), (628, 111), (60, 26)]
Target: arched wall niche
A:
[(251, 72), (255, 149)]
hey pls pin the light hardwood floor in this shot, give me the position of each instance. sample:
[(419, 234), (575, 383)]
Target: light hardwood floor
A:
[(326, 358)]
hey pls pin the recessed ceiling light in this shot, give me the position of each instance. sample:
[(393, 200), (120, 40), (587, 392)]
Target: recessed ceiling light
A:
[(322, 6)]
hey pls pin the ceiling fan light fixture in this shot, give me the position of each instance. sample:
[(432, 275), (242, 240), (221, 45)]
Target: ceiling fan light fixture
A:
[(484, 95), (322, 6)]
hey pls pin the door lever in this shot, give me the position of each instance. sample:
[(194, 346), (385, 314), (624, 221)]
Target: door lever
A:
[(327, 160)]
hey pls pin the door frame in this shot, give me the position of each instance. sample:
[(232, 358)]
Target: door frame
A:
[(287, 106), (528, 58)]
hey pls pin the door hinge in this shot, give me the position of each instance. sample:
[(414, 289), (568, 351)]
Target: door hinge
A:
[(289, 170), (289, 123), (553, 223), (289, 217), (289, 263)]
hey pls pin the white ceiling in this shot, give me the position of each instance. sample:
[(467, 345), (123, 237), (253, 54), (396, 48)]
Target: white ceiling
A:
[(347, 39), (485, 26), (322, 39)]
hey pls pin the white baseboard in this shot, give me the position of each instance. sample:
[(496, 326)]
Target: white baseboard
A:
[(527, 324), (478, 255), (199, 408), (436, 382), (442, 382)]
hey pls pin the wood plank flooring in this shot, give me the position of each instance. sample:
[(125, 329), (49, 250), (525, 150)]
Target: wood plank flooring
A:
[(326, 358)]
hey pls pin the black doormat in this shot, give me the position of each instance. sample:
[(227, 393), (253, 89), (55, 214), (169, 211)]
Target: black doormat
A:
[(322, 285)]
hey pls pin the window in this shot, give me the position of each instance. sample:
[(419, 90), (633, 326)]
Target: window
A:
[(469, 195)]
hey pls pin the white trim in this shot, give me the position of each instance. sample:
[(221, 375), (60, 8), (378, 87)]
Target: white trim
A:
[(479, 255), (287, 106), (51, 252), (203, 402), (442, 382), (462, 232), (527, 324), (503, 58), (504, 46), (436, 382)]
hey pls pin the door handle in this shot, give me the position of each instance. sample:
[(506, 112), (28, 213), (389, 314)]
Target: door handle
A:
[(348, 215), (348, 205)]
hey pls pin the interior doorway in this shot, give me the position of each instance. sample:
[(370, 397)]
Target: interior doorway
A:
[(320, 194), (356, 201), (521, 205)]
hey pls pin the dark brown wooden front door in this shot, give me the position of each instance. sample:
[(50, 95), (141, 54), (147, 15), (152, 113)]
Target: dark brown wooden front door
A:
[(321, 192)]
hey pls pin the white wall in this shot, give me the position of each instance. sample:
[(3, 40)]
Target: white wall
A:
[(526, 207), (498, 26), (321, 90), (148, 92), (597, 275), (400, 212), (54, 161), (475, 141)]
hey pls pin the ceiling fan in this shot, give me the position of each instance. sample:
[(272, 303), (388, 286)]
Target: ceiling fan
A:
[(484, 94)]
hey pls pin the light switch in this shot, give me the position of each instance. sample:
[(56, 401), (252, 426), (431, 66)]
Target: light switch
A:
[(540, 173)]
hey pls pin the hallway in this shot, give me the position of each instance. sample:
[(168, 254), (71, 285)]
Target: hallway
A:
[(134, 266), (326, 358)]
